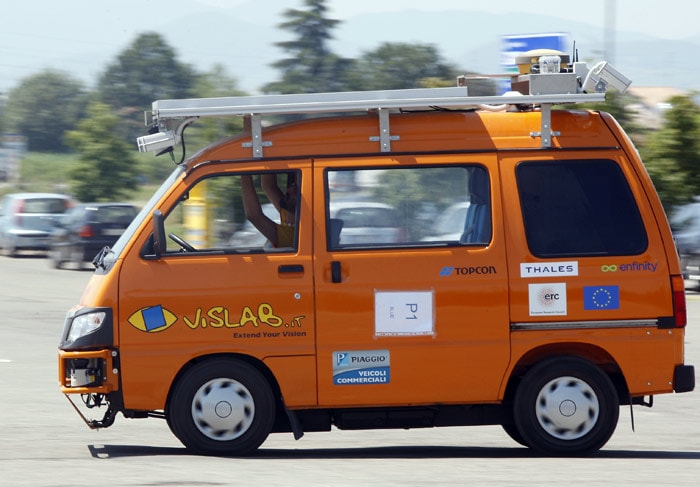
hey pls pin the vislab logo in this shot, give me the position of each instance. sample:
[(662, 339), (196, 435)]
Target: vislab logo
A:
[(152, 319)]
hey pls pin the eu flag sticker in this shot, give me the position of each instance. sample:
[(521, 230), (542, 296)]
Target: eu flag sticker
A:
[(601, 297)]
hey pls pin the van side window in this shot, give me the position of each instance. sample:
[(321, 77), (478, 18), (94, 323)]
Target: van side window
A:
[(390, 207), (579, 208), (212, 216)]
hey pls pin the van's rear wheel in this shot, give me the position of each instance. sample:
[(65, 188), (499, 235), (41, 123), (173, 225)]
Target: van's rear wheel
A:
[(566, 406), (222, 407)]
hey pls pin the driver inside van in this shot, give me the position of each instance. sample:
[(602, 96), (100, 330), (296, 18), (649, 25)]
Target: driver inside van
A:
[(278, 234)]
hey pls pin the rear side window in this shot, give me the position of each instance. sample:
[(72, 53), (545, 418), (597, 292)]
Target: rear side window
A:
[(112, 214), (44, 205), (579, 208)]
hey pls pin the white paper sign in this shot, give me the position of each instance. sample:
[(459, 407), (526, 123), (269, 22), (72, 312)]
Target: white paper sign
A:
[(403, 313)]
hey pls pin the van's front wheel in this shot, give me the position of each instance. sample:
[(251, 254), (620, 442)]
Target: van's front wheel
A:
[(566, 406), (222, 407)]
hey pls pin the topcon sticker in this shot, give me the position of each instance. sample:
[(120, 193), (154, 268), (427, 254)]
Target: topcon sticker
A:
[(547, 299)]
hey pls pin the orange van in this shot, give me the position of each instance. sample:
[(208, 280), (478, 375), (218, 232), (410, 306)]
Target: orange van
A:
[(427, 259)]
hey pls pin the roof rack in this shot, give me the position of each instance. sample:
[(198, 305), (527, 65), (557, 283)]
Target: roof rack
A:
[(169, 118)]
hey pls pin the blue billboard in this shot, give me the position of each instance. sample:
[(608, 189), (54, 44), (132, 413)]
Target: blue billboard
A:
[(513, 46)]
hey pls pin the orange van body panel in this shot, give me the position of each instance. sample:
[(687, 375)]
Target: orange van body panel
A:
[(421, 132), (296, 376), (214, 311), (635, 352)]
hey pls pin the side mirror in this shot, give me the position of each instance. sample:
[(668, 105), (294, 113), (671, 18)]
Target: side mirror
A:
[(159, 242)]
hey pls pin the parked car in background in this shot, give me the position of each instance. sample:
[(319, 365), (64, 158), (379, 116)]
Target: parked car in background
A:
[(685, 225), (27, 219), (367, 222), (449, 225), (87, 228), (248, 235)]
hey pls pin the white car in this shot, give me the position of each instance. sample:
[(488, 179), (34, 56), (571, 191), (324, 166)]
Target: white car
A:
[(367, 223), (27, 220), (248, 235), (449, 225)]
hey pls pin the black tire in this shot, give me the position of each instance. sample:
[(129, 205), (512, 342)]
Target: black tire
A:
[(222, 407), (566, 406), (8, 250), (55, 258)]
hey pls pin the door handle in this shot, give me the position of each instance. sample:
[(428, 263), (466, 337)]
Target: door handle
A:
[(336, 275), (292, 268)]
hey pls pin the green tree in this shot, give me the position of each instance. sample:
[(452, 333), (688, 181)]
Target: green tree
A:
[(672, 154), (616, 104), (105, 169), (147, 70), (43, 107), (397, 65), (215, 83), (311, 67)]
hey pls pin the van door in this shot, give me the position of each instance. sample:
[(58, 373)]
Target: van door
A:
[(411, 281), (220, 288)]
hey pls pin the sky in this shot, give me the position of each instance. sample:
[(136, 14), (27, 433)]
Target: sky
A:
[(672, 19), (83, 35)]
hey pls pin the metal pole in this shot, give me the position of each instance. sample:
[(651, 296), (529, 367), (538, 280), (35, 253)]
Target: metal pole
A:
[(609, 34)]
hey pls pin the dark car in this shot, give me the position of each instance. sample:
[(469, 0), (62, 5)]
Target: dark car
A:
[(685, 225), (27, 219), (86, 229)]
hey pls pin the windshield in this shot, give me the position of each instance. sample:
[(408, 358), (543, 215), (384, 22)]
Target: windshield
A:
[(110, 257)]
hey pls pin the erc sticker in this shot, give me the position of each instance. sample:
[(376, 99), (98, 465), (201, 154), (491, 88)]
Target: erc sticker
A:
[(361, 367), (547, 299)]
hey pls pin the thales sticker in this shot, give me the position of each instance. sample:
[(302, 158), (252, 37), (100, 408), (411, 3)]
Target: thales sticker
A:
[(152, 319)]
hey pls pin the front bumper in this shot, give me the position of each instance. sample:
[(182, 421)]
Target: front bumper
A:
[(88, 372), (30, 240)]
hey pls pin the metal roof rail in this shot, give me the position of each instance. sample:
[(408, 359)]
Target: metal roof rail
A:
[(169, 118)]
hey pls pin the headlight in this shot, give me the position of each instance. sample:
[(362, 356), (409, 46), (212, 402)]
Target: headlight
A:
[(87, 329), (85, 324)]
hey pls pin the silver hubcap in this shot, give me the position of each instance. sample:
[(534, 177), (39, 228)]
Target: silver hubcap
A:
[(223, 409), (567, 408)]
